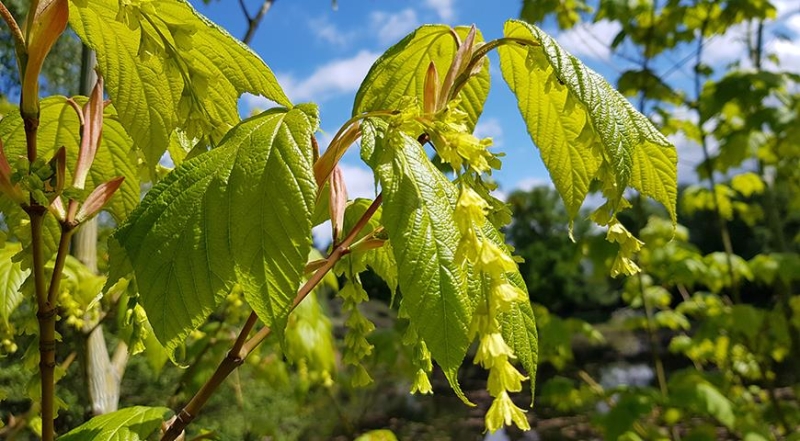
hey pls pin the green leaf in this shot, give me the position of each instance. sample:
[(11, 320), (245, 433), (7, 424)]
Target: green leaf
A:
[(418, 216), (400, 72), (18, 223), (160, 66), (584, 128), (691, 391), (60, 126), (380, 260), (519, 331), (11, 277), (129, 424), (239, 215)]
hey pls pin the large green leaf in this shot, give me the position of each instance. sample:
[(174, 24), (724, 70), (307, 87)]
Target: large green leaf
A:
[(129, 424), (237, 215), (11, 277), (400, 72), (418, 216), (167, 60), (582, 125), (60, 126)]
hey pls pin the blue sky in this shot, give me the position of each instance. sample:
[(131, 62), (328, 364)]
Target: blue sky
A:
[(321, 55)]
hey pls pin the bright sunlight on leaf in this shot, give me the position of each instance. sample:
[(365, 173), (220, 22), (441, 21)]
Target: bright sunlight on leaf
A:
[(237, 215)]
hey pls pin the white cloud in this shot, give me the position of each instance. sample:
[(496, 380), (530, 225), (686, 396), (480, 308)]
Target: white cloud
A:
[(322, 234), (528, 184), (788, 52), (329, 33), (500, 194), (444, 8), (391, 27), (590, 40), (334, 78), (727, 48), (253, 103), (359, 181), (490, 128), (786, 7)]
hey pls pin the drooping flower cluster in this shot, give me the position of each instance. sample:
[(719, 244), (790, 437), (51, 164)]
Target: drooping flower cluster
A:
[(420, 358), (455, 143), (492, 263), (356, 346)]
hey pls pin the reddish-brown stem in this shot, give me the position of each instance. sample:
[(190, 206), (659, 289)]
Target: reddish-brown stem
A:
[(31, 129), (46, 315), (58, 268), (241, 348), (236, 349)]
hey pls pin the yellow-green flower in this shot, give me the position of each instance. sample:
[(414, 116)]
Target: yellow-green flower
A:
[(504, 377), (492, 349), (421, 383), (360, 376), (628, 247), (503, 412), (494, 261), (504, 294), (471, 209)]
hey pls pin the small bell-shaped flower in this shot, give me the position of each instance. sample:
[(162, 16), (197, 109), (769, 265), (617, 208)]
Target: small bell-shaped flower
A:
[(492, 349), (421, 383), (503, 412)]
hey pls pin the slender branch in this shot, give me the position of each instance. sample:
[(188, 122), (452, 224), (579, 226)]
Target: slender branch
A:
[(16, 32), (253, 22), (241, 349), (244, 10), (654, 344), (46, 315), (236, 349), (722, 224), (58, 268), (31, 124)]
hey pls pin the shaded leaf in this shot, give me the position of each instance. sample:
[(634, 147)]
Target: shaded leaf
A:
[(129, 424)]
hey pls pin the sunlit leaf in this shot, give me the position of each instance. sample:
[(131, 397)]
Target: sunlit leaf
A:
[(418, 216), (239, 215), (584, 128), (168, 67), (11, 277), (401, 71)]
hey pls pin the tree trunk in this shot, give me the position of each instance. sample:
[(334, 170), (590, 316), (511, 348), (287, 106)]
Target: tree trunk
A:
[(103, 374)]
